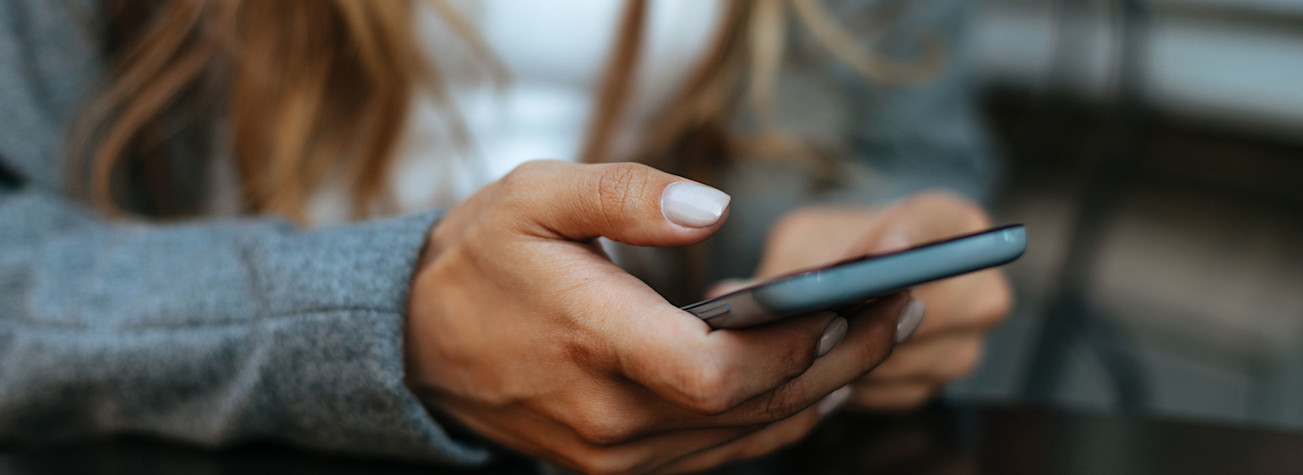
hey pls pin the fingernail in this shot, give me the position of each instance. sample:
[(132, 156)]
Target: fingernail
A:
[(910, 317), (833, 401), (891, 241), (693, 205), (832, 335)]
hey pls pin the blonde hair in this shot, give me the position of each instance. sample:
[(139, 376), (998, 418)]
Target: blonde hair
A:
[(317, 90)]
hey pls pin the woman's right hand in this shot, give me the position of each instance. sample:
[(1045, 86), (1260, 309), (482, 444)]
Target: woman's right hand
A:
[(521, 329)]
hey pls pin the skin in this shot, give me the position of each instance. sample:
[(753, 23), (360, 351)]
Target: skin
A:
[(520, 329), (960, 310)]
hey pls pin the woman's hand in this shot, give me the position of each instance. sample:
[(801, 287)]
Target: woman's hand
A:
[(960, 310), (522, 330)]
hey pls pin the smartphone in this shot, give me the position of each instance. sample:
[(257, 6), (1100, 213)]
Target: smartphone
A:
[(862, 278)]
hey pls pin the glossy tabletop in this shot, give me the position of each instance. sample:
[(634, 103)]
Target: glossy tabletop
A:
[(940, 440)]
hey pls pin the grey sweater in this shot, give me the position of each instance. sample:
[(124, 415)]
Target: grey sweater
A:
[(226, 330)]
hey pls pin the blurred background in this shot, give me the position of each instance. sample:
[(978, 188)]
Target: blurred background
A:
[(1155, 150)]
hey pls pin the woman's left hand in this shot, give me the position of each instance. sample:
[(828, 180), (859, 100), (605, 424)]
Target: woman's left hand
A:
[(959, 310)]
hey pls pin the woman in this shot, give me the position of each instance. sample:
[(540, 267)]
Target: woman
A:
[(152, 283)]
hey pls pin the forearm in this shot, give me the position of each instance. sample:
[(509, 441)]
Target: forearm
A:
[(212, 332)]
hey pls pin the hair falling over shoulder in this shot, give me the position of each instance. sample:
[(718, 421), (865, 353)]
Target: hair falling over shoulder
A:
[(298, 93), (305, 90)]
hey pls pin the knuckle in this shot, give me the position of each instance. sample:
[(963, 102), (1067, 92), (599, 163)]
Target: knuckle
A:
[(799, 359), (707, 389), (530, 168), (874, 351), (618, 186), (972, 216), (519, 173), (975, 216), (524, 176), (604, 426), (782, 403), (786, 223), (516, 180)]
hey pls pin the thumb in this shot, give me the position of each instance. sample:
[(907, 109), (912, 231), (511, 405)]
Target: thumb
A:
[(626, 202)]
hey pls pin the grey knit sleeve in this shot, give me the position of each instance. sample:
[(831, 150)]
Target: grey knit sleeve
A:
[(212, 332)]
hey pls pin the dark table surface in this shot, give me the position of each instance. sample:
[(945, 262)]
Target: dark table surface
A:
[(939, 440)]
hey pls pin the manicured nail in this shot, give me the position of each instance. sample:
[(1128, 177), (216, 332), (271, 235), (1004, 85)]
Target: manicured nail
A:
[(832, 335), (910, 317), (833, 401), (693, 205)]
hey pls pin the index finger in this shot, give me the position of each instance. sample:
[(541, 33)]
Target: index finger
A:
[(868, 341), (679, 358)]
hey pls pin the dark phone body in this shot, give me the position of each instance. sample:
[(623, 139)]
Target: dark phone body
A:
[(861, 278)]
